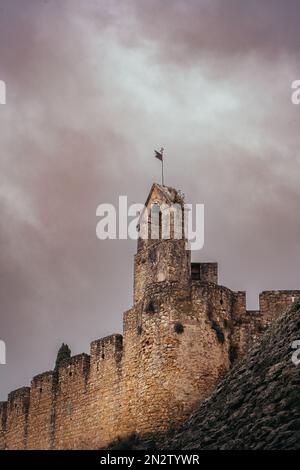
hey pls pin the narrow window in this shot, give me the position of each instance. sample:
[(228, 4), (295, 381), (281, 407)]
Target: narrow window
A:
[(195, 271)]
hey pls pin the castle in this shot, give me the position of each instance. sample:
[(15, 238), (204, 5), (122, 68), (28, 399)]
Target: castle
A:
[(180, 338)]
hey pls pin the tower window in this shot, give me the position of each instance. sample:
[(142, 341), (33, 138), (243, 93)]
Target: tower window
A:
[(152, 255), (151, 307)]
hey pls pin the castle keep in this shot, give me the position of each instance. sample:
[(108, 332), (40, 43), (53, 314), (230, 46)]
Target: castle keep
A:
[(181, 336)]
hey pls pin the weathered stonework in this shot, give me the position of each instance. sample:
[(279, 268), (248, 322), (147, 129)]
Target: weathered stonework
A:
[(17, 419), (3, 421), (257, 405), (180, 338)]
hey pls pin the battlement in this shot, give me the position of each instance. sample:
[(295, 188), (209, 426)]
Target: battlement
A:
[(275, 302), (207, 272), (3, 421), (107, 348), (17, 418), (75, 366), (19, 398), (41, 378)]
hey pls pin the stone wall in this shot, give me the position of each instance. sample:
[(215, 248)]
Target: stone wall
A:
[(159, 262)]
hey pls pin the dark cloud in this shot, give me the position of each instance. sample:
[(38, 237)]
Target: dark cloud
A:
[(187, 29), (92, 88)]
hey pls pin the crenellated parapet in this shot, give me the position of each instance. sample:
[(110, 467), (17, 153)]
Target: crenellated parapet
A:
[(17, 418), (105, 390), (3, 421)]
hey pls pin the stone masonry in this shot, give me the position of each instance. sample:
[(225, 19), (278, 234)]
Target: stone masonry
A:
[(179, 340), (257, 405)]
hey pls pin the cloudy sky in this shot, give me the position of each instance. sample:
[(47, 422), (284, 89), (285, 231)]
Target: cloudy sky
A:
[(93, 86)]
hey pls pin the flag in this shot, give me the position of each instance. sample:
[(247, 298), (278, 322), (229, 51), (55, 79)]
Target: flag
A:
[(159, 155)]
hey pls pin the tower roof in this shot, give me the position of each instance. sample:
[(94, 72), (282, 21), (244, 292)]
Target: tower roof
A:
[(167, 193)]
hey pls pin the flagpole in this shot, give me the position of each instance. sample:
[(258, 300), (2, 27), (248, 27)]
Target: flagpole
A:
[(160, 156)]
